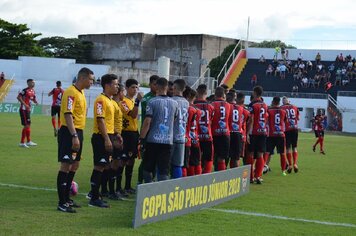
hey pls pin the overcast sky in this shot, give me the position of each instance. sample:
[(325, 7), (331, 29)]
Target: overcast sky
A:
[(302, 23)]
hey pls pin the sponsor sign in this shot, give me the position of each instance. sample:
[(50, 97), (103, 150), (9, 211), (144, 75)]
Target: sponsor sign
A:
[(15, 108), (167, 199)]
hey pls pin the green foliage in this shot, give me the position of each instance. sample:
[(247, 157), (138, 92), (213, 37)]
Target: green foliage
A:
[(15, 40), (217, 63), (67, 48), (271, 44)]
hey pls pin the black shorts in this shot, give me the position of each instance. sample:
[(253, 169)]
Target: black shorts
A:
[(207, 150), (157, 155), (65, 152), (55, 110), (186, 156), (319, 133), (195, 156), (278, 142), (100, 156), (130, 150), (257, 143), (235, 145), (25, 117), (221, 146), (291, 138)]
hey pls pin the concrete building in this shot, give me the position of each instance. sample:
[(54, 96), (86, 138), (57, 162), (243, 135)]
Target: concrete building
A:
[(136, 54)]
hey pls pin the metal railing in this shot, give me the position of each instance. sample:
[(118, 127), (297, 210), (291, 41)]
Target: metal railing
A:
[(288, 94), (336, 103), (229, 61), (346, 93)]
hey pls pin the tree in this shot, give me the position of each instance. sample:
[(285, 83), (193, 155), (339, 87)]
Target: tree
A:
[(15, 40), (217, 63), (67, 48), (271, 44)]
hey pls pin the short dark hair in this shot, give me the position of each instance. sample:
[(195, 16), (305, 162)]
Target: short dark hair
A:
[(232, 90), (153, 78), (258, 90), (202, 89), (29, 80), (186, 92), (224, 86), (58, 83), (180, 84), (219, 92), (107, 79), (162, 82), (84, 72), (230, 97), (130, 82), (240, 96), (276, 100)]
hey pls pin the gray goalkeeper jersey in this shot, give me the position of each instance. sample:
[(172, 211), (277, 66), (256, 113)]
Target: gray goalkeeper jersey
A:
[(163, 110), (181, 121)]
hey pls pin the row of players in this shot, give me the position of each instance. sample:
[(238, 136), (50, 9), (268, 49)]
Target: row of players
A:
[(186, 133)]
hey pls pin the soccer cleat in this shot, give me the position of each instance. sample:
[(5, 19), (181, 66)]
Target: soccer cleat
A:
[(284, 173), (322, 152), (114, 196), (24, 145), (98, 203), (65, 208), (296, 169), (89, 195), (122, 192), (31, 143), (130, 191), (259, 180), (289, 170), (265, 169), (313, 148), (73, 204)]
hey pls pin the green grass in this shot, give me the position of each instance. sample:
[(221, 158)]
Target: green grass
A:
[(323, 190)]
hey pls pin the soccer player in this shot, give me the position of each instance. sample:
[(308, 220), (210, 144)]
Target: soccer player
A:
[(56, 94), (243, 117), (148, 96), (220, 128), (291, 134), (319, 131), (25, 97), (103, 136), (180, 123), (204, 128), (256, 127), (129, 106), (235, 129), (157, 130), (70, 136), (192, 158), (276, 136)]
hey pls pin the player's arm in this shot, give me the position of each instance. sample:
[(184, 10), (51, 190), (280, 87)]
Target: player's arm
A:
[(249, 128), (145, 127), (134, 112), (19, 98), (50, 93), (104, 134), (70, 125), (35, 100)]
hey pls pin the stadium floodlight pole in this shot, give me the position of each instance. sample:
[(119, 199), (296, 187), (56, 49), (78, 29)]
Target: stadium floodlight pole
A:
[(248, 32)]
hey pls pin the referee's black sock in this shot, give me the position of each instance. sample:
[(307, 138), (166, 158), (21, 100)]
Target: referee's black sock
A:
[(128, 176), (61, 186), (112, 177), (104, 181), (119, 172), (95, 184), (70, 178)]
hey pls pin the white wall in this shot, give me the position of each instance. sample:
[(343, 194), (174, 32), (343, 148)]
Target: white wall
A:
[(11, 68), (307, 54), (347, 102), (349, 121)]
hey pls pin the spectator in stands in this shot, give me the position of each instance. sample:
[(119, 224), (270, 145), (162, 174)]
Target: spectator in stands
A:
[(269, 69), (262, 59), (319, 67), (305, 82), (317, 58), (327, 76), (295, 90), (282, 71), (276, 52), (300, 58), (345, 81), (301, 66), (283, 53), (331, 67), (311, 82), (309, 65), (341, 58), (338, 77), (349, 64), (327, 86), (254, 80), (287, 53), (317, 79), (2, 76), (277, 70)]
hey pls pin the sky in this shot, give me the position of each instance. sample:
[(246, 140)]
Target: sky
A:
[(301, 23)]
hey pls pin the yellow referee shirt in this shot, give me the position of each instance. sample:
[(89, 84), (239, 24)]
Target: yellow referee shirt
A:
[(74, 102), (104, 108), (128, 123), (118, 118)]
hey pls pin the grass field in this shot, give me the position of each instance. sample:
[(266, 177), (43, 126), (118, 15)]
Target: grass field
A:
[(324, 190)]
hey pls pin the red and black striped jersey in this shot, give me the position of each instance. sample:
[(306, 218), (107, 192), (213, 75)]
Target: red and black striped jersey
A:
[(204, 124), (221, 120), (258, 111), (276, 121), (292, 113)]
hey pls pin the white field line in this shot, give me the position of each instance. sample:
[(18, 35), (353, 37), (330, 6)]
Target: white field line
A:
[(44, 189), (282, 217)]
